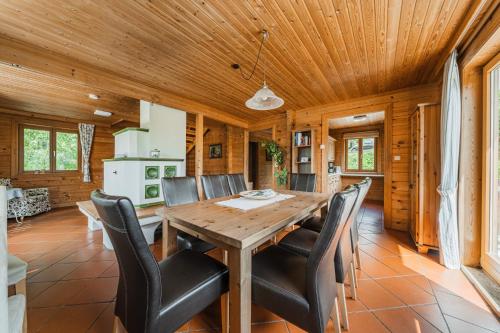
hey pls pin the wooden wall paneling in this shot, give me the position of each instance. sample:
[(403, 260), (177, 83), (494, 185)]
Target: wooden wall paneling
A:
[(64, 188)]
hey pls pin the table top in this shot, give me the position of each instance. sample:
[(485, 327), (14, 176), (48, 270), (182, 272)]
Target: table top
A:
[(89, 208), (239, 228)]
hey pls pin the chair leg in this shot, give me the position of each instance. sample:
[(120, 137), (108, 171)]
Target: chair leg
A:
[(358, 258), (343, 305), (335, 316), (21, 289), (352, 278), (224, 301), (118, 326), (224, 312)]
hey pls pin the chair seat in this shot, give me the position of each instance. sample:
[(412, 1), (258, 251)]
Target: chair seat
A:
[(279, 283), (314, 223), (16, 270), (190, 282), (17, 307), (302, 240), (299, 241), (187, 242)]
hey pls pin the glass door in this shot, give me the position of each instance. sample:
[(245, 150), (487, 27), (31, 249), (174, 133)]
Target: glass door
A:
[(490, 258)]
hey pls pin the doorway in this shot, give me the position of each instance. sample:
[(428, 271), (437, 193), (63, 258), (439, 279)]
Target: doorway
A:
[(260, 165)]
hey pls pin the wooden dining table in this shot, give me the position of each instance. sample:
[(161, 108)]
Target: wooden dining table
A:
[(238, 232)]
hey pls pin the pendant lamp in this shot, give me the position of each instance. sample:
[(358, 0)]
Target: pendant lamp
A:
[(264, 98)]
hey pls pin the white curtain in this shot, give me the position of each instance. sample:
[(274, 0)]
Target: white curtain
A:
[(86, 136), (451, 114)]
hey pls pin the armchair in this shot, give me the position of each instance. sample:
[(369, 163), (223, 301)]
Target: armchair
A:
[(33, 201)]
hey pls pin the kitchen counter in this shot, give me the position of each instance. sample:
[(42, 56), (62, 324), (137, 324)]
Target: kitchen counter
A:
[(371, 175)]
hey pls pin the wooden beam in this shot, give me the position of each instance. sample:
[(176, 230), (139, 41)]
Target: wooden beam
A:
[(41, 60), (246, 142), (229, 145), (198, 156)]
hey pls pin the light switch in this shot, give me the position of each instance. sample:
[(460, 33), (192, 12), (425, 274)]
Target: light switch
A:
[(397, 158)]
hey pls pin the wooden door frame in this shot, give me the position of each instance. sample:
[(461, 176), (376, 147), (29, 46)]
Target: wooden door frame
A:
[(388, 141), (273, 137)]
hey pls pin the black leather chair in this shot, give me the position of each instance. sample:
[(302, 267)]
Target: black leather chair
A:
[(316, 223), (179, 191), (300, 288), (153, 296), (215, 186), (236, 183), (303, 240), (305, 182)]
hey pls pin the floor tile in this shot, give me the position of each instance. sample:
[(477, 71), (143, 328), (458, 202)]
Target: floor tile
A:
[(459, 326), (35, 289), (375, 251), (104, 323), (375, 268), (364, 322), (38, 317), (54, 273), (277, 327), (433, 315), (404, 320), (406, 291), (89, 269), (75, 319), (458, 307), (374, 296)]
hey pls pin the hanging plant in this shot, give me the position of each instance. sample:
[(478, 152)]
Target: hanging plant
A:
[(277, 154)]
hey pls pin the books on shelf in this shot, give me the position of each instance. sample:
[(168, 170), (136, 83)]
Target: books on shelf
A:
[(302, 139)]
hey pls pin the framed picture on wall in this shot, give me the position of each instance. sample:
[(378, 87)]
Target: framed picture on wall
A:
[(215, 151)]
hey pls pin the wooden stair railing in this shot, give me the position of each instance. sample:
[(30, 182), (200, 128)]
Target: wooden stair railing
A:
[(191, 136)]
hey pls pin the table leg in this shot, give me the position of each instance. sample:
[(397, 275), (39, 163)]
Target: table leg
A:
[(169, 239), (240, 290)]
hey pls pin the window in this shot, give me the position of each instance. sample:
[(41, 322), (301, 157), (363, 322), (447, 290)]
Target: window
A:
[(45, 149), (361, 154), (490, 256)]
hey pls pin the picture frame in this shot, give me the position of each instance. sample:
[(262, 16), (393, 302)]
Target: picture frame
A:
[(215, 151)]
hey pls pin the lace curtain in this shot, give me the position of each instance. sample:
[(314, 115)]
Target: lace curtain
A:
[(451, 114), (86, 136)]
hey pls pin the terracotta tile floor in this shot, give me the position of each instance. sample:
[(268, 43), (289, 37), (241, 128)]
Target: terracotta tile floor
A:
[(72, 283)]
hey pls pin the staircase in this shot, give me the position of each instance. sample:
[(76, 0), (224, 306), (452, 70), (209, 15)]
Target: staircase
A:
[(191, 135)]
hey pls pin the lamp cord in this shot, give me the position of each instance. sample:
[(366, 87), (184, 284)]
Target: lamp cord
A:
[(256, 62)]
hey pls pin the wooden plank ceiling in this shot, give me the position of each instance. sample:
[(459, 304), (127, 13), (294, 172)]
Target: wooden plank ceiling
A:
[(320, 51), (27, 91), (374, 118)]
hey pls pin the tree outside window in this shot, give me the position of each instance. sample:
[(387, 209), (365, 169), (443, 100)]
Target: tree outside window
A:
[(361, 154), (45, 149)]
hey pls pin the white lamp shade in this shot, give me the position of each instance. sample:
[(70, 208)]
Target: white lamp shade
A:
[(264, 99)]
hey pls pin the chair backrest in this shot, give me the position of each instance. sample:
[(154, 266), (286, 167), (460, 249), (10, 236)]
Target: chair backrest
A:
[(363, 187), (179, 190), (215, 186), (320, 275), (236, 183), (305, 182), (139, 286)]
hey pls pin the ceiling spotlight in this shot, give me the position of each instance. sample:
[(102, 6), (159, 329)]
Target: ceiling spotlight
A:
[(94, 96), (360, 117), (102, 113)]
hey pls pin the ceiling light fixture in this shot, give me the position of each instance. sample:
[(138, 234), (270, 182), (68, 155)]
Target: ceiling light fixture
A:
[(102, 113), (264, 98), (359, 118), (94, 96)]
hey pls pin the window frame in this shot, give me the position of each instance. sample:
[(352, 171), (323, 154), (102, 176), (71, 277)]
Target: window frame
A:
[(360, 155), (490, 263), (53, 130)]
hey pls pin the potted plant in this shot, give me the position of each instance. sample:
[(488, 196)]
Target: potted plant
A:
[(277, 154)]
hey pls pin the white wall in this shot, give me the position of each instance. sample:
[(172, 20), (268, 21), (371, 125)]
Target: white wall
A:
[(167, 129)]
